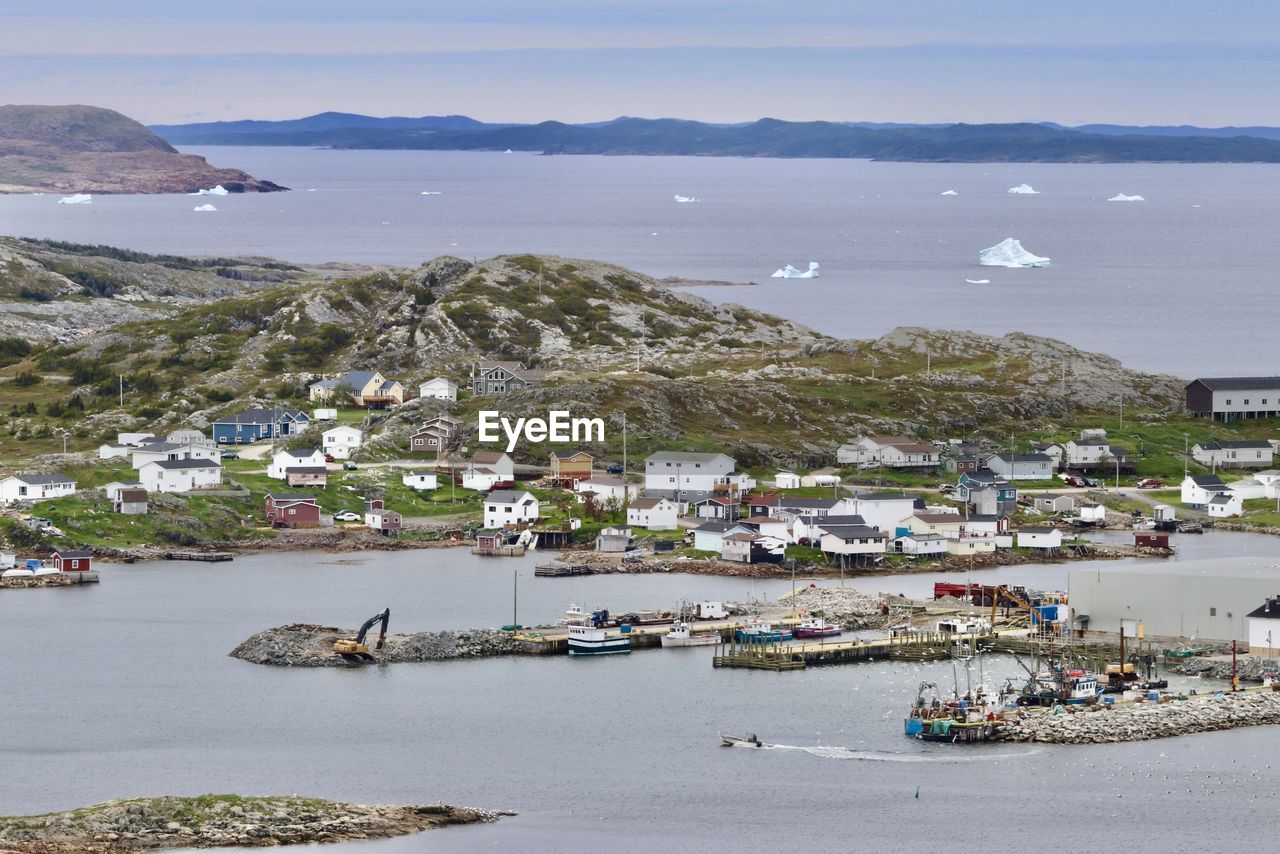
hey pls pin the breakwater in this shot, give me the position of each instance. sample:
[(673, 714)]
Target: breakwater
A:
[(1250, 668), (215, 821), (1103, 724), (304, 645), (58, 579)]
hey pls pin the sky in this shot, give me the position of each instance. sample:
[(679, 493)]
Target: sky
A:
[(1122, 61)]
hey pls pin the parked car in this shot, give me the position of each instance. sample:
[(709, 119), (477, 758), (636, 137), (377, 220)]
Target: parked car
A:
[(230, 455), (346, 516), (349, 466), (1151, 483), (613, 468), (328, 458)]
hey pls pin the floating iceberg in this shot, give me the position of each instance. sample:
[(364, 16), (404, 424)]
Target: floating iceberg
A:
[(431, 193), (978, 281), (685, 199), (205, 208), (76, 199), (953, 193), (1121, 197), (1025, 189), (216, 191), (1009, 253), (789, 272), (508, 151)]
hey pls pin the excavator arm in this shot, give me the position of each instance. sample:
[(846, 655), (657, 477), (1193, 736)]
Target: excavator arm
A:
[(354, 649)]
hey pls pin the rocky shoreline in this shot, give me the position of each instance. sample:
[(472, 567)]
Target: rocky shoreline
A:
[(304, 645), (218, 821), (1102, 724), (1249, 668)]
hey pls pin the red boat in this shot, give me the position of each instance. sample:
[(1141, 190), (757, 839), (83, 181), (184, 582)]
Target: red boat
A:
[(815, 627)]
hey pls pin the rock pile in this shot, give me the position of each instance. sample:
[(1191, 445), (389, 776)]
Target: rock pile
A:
[(302, 645), (837, 604), (1250, 668), (1141, 721), (212, 821)]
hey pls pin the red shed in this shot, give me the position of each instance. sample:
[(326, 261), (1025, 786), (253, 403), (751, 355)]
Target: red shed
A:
[(292, 511), (1151, 539), (73, 561)]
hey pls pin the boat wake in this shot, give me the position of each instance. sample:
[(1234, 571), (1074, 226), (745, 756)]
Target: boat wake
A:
[(890, 756)]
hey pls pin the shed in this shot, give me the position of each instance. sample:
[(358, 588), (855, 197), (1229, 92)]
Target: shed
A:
[(132, 502), (73, 561)]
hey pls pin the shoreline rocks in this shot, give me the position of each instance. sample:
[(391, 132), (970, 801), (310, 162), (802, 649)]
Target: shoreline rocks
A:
[(1250, 668), (304, 645), (1103, 724), (215, 821)]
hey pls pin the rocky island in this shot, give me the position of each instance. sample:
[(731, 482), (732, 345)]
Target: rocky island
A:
[(82, 149), (302, 645), (220, 821)]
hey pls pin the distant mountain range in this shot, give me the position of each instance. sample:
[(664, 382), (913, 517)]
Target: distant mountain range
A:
[(1026, 142)]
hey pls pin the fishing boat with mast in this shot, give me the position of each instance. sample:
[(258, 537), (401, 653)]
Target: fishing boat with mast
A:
[(816, 627), (681, 634)]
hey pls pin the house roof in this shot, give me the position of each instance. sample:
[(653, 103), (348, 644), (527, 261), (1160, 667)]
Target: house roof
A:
[(807, 503), (743, 538), (1022, 458), (300, 453), (1089, 443), (306, 470), (487, 457), (1269, 610), (1237, 445), (43, 479), (685, 457), (1222, 498), (854, 532), (718, 499), (565, 455), (1207, 480), (939, 518), (922, 537), (179, 465), (602, 480), (646, 503), (715, 527), (444, 380), (913, 448), (73, 553), (983, 517), (1035, 529), (771, 500), (508, 496), (1237, 383), (291, 497), (130, 496), (823, 521), (161, 447), (421, 472)]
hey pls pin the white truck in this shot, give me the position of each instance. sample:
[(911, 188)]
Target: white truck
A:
[(712, 611)]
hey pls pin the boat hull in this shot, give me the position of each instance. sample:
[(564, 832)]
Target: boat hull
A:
[(693, 640), (608, 646), (828, 632)]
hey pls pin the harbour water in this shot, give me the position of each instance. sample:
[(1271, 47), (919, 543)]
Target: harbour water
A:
[(125, 688), (1127, 278)]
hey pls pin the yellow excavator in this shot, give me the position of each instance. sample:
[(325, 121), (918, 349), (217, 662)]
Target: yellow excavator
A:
[(1002, 593), (354, 649)]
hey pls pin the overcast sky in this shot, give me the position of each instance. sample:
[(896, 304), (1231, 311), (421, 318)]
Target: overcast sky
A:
[(719, 60)]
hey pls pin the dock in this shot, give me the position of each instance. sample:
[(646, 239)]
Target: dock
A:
[(647, 636), (797, 655), (207, 557), (498, 551), (563, 570)]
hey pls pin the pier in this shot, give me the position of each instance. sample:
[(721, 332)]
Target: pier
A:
[(207, 557), (797, 655), (645, 636)]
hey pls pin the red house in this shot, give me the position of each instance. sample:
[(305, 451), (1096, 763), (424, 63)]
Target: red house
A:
[(73, 561), (292, 511)]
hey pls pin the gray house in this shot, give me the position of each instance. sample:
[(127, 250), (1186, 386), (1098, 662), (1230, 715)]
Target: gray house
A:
[(1021, 466)]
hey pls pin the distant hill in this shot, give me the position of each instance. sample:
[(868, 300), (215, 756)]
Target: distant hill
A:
[(1028, 142), (81, 149), (1258, 131)]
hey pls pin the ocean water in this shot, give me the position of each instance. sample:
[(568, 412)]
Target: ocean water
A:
[(125, 688), (1170, 284)]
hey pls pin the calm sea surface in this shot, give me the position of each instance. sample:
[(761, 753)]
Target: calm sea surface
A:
[(1176, 283), (125, 688)]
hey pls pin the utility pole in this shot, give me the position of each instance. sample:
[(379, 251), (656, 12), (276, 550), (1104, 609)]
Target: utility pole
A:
[(122, 391), (1185, 453), (1122, 412)]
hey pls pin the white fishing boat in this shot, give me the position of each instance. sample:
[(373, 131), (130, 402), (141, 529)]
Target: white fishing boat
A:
[(588, 640), (681, 634), (46, 569), (573, 614), (17, 572)]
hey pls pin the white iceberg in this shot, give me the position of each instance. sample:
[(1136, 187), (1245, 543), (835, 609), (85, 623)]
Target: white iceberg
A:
[(508, 151), (216, 191), (1025, 190), (205, 208), (76, 199), (431, 193), (686, 199), (789, 272), (950, 193), (1121, 197), (1009, 253), (978, 281)]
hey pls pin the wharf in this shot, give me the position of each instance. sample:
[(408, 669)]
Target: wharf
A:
[(791, 655), (61, 579), (563, 570), (498, 551), (647, 636), (207, 557)]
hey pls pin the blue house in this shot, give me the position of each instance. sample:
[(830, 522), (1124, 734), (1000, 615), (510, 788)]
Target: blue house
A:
[(987, 493), (254, 425)]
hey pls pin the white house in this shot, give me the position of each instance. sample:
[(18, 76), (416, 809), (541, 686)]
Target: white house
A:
[(509, 507), (1234, 398), (946, 525), (1225, 504), (608, 489), (132, 440), (668, 472), (440, 388), (35, 487), (180, 475), (114, 488), (787, 480), (1021, 466), (325, 414), (300, 458), (109, 451), (857, 542), (479, 478), (422, 480), (709, 536), (188, 436), (1039, 538), (884, 510), (1264, 628), (1086, 452), (1247, 488), (341, 441), (967, 546), (921, 545), (772, 528), (1197, 489), (154, 451), (821, 477), (1091, 512), (1269, 480), (496, 461), (809, 528), (656, 514), (900, 452), (1251, 453)]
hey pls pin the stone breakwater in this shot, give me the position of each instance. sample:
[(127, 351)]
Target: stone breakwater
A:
[(61, 579), (1141, 721), (1250, 668), (303, 645), (215, 821)]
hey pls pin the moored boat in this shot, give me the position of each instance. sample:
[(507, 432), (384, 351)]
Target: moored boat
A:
[(681, 635), (816, 627), (760, 630), (589, 640)]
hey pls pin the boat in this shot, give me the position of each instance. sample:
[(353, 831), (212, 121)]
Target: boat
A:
[(816, 627), (17, 572), (960, 720), (46, 569), (573, 614), (589, 640), (752, 740), (760, 630), (1058, 686), (681, 634)]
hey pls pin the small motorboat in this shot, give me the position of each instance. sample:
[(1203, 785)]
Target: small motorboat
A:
[(17, 572), (815, 627), (681, 634), (46, 569), (752, 740)]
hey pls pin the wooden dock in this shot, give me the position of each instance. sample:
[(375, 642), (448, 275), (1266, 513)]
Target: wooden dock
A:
[(207, 557), (797, 655), (648, 636), (563, 570), (499, 551)]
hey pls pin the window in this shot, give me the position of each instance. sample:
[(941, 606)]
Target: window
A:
[(1213, 612), (1246, 400), (1228, 403)]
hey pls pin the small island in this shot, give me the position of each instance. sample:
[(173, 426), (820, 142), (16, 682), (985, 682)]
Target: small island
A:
[(220, 821), (81, 149)]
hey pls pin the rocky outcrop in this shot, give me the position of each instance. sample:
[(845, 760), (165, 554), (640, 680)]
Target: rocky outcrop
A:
[(1141, 721), (80, 149), (302, 645), (1250, 668), (215, 821)]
